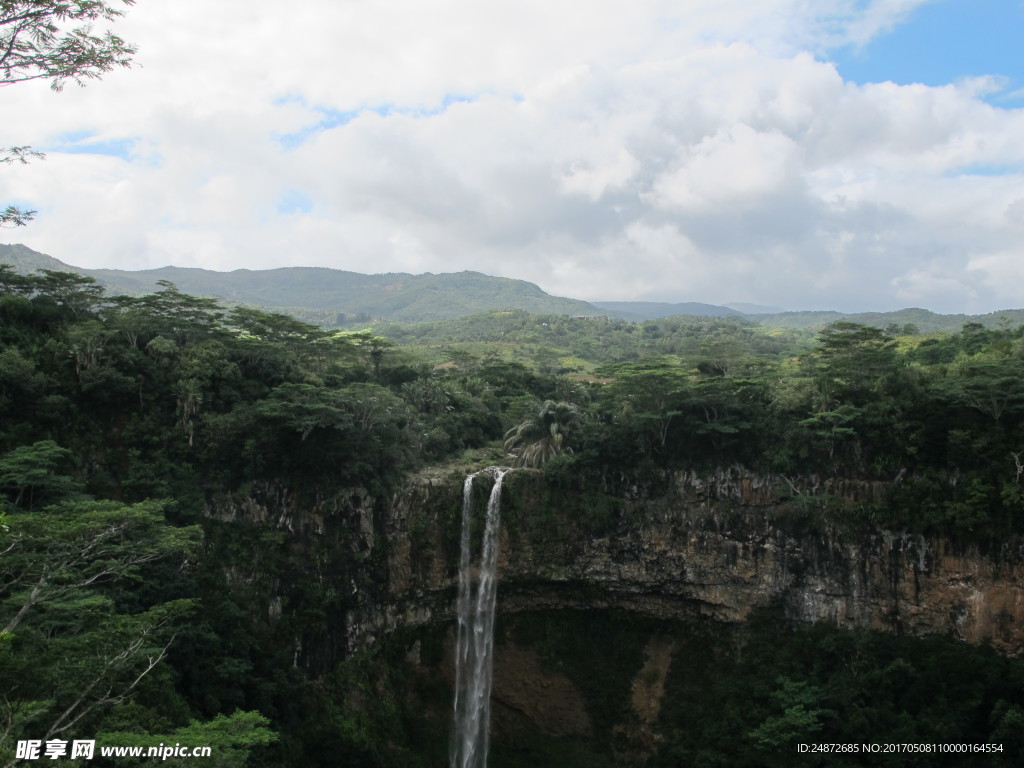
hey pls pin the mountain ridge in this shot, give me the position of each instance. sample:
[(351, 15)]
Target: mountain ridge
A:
[(334, 297), (329, 296), (652, 310)]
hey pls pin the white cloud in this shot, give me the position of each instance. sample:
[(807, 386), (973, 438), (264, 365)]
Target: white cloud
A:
[(1001, 273), (661, 150), (735, 167)]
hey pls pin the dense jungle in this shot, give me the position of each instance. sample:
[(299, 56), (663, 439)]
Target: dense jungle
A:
[(201, 501)]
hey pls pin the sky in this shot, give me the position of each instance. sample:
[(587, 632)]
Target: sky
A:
[(857, 155)]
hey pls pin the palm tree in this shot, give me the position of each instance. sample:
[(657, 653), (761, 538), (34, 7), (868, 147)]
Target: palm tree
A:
[(542, 437)]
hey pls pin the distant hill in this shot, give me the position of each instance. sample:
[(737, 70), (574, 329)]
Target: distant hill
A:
[(754, 309), (329, 296), (396, 296), (652, 310), (25, 260), (333, 297), (924, 320)]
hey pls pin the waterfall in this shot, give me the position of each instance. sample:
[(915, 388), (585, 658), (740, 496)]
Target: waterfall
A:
[(475, 631)]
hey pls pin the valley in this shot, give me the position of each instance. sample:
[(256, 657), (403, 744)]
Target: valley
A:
[(718, 538)]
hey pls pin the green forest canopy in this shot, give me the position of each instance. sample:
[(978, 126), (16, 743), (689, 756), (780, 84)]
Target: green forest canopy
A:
[(124, 414)]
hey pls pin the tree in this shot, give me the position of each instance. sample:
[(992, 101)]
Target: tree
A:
[(36, 45), (68, 650), (29, 475), (53, 40), (648, 393), (723, 408), (991, 386), (230, 737), (78, 544), (79, 295), (855, 356), (543, 436), (12, 216), (799, 720)]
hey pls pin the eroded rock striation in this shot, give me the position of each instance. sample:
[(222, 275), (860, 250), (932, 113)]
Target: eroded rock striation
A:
[(712, 546)]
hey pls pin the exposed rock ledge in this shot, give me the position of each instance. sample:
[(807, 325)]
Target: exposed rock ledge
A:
[(714, 546)]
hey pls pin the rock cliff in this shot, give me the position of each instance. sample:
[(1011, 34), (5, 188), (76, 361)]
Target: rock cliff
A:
[(716, 547), (616, 594)]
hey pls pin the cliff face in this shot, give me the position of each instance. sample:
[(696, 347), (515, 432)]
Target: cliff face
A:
[(614, 596), (713, 547)]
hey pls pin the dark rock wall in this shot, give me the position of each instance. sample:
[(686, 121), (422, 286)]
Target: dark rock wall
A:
[(703, 546), (714, 546), (640, 575)]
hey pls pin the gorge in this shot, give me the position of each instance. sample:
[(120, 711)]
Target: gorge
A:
[(741, 539), (715, 546), (691, 558)]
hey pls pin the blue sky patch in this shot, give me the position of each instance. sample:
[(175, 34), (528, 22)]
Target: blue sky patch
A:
[(294, 200), (987, 169), (333, 118), (944, 41), (330, 118), (81, 143), (73, 137)]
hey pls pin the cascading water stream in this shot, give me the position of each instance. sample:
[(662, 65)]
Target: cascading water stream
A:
[(475, 631)]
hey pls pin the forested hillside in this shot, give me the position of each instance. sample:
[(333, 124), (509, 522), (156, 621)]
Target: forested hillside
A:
[(122, 417), (652, 310), (568, 345), (328, 297), (334, 298), (921, 319)]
